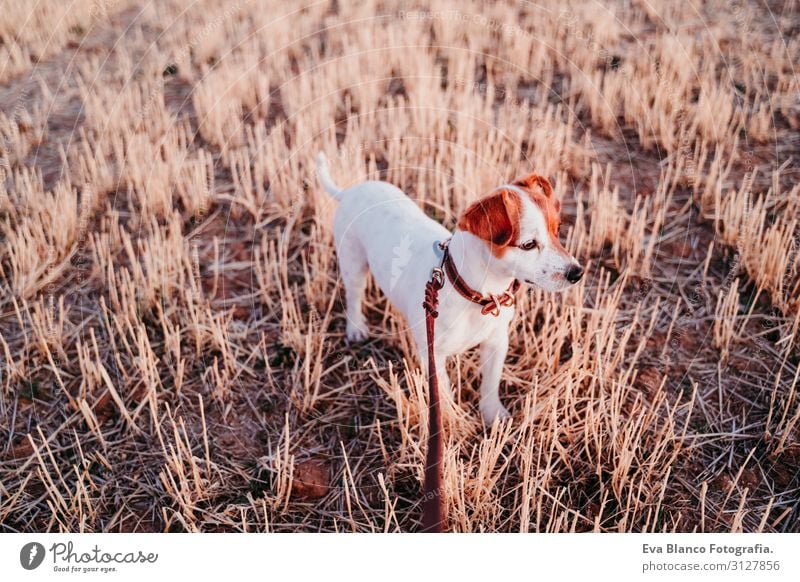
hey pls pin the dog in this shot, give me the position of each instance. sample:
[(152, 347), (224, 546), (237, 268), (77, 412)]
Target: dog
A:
[(509, 235)]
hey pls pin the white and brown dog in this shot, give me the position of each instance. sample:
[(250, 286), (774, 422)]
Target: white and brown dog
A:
[(511, 234)]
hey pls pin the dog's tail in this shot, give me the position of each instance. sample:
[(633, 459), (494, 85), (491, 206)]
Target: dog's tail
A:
[(325, 177)]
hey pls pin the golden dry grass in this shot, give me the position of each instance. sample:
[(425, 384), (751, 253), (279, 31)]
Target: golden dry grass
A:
[(171, 321)]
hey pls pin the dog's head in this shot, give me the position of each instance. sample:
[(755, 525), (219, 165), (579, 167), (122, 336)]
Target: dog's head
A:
[(519, 223)]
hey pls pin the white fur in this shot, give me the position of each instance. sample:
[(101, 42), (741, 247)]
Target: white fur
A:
[(378, 228)]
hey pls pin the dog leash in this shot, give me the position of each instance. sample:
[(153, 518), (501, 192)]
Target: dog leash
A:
[(433, 520), (433, 517)]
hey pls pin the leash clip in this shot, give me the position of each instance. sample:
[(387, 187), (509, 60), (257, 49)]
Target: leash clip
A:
[(437, 277)]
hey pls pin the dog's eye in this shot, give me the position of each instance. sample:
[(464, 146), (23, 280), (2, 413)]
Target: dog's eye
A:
[(529, 245)]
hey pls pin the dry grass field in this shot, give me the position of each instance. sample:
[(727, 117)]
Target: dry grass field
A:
[(171, 317)]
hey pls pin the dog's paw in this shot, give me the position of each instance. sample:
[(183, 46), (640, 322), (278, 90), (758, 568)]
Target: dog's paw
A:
[(492, 411), (356, 332)]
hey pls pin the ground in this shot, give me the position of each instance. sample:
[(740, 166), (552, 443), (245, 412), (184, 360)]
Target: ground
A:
[(172, 321)]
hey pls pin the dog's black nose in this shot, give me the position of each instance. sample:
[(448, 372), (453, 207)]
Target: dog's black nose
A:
[(574, 273)]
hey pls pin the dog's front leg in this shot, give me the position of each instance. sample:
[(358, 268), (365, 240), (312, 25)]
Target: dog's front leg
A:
[(493, 356)]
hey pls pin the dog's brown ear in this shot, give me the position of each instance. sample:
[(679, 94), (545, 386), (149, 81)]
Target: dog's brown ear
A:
[(531, 181), (494, 218), (534, 183)]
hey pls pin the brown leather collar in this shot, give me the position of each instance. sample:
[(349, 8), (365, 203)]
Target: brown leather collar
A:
[(489, 303)]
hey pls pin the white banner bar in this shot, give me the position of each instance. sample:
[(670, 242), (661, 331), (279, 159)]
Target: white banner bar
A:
[(331, 557)]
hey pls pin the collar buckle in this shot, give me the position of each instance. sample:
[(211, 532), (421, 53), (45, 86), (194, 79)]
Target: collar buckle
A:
[(492, 308)]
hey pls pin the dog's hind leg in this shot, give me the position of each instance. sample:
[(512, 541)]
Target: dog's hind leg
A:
[(353, 269)]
